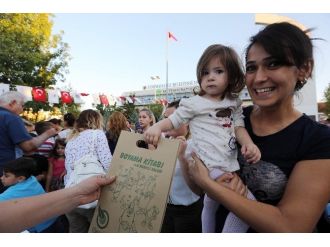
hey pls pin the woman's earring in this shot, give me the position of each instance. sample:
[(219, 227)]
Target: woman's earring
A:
[(303, 82), (300, 84)]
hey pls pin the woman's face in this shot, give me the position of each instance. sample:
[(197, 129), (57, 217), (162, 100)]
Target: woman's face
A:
[(269, 82), (144, 120)]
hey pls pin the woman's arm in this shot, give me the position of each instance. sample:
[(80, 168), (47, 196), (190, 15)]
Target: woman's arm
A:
[(305, 197), (20, 214)]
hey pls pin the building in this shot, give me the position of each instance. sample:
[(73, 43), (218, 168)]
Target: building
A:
[(178, 90)]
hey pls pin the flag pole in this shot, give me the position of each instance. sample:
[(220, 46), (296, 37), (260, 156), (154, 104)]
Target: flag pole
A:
[(167, 34)]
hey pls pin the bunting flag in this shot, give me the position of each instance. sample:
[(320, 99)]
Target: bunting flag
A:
[(96, 99), (104, 100), (53, 96), (26, 91), (77, 98), (66, 97), (171, 36), (4, 88), (84, 94), (39, 94)]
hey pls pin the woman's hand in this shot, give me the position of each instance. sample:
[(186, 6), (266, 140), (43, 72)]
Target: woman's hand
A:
[(232, 181), (198, 171)]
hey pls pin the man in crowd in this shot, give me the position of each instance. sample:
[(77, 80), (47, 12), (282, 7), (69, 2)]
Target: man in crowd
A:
[(13, 131)]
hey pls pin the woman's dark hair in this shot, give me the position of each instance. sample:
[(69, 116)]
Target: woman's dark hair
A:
[(69, 118), (55, 121), (21, 167), (230, 60), (287, 43), (58, 142)]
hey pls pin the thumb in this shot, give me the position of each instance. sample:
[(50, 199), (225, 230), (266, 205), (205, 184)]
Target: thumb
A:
[(243, 149), (194, 156), (226, 177)]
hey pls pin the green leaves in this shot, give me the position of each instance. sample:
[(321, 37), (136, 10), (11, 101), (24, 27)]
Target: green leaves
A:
[(29, 54)]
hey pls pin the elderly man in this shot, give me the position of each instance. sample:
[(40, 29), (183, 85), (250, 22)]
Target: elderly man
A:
[(13, 131)]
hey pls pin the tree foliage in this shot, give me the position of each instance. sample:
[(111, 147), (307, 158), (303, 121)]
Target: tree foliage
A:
[(30, 54), (327, 98)]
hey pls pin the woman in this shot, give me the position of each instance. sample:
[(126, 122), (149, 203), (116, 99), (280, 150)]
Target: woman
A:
[(87, 137), (292, 180), (146, 119), (68, 124), (116, 123)]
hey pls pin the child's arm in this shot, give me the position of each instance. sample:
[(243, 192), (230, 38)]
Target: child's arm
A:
[(152, 134), (49, 175), (249, 150)]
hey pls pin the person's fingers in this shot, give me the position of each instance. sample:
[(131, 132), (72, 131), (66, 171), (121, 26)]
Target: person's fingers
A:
[(243, 149), (226, 177)]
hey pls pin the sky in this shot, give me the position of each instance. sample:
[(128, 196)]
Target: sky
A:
[(112, 53)]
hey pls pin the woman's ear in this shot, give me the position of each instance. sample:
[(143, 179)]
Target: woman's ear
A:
[(305, 71)]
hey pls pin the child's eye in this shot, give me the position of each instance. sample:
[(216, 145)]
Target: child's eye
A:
[(219, 71), (205, 72)]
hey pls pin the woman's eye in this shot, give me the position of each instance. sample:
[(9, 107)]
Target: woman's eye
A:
[(274, 64), (250, 68)]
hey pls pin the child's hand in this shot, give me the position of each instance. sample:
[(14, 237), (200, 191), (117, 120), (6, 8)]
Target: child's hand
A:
[(251, 153), (152, 135)]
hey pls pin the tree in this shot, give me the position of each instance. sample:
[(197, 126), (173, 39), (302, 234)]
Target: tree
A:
[(327, 98), (30, 54)]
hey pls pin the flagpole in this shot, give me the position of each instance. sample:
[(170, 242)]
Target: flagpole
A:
[(167, 34)]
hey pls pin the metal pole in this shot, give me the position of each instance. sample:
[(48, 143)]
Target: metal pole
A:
[(166, 66)]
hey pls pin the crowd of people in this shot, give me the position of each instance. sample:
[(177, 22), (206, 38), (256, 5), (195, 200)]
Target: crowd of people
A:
[(262, 168)]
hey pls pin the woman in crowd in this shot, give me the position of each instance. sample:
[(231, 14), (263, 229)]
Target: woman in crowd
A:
[(116, 123), (86, 138), (68, 123), (292, 180)]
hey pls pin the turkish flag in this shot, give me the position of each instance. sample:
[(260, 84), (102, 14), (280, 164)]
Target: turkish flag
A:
[(39, 94), (66, 97), (104, 100)]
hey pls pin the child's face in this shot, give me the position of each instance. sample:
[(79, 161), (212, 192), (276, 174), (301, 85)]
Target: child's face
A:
[(60, 150), (214, 79), (9, 179), (144, 120)]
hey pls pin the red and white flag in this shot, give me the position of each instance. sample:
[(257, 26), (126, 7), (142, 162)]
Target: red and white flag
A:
[(39, 94), (171, 36), (104, 100), (66, 97)]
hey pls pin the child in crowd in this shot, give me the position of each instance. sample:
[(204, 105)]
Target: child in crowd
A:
[(146, 119), (56, 167), (17, 175), (216, 122), (47, 146)]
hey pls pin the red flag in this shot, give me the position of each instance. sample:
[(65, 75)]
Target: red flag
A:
[(171, 36), (66, 97), (39, 94), (104, 100)]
